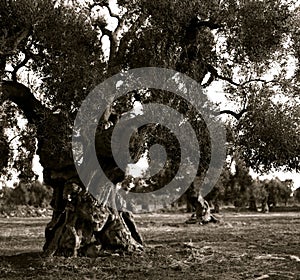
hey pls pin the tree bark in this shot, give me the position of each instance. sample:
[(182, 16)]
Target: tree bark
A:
[(80, 225), (202, 214), (216, 206), (252, 204), (264, 207)]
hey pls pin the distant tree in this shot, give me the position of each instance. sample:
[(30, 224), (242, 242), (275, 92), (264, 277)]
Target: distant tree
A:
[(286, 190), (4, 194), (217, 196), (297, 195), (33, 194), (278, 191), (240, 183), (259, 195)]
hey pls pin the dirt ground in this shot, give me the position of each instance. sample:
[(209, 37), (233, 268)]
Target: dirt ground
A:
[(242, 246)]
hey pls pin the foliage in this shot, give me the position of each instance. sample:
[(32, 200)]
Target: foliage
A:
[(31, 194), (272, 139), (278, 191), (238, 188), (60, 46)]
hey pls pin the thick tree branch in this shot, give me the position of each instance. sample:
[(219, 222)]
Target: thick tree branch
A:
[(23, 98), (214, 73), (52, 149)]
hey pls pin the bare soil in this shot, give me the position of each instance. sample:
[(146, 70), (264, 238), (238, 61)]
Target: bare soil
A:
[(241, 246)]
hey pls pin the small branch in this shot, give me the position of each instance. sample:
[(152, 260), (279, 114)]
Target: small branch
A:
[(234, 114), (259, 80), (215, 73), (208, 23), (209, 81), (13, 138)]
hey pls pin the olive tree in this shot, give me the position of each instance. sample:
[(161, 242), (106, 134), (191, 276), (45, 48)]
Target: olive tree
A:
[(53, 53)]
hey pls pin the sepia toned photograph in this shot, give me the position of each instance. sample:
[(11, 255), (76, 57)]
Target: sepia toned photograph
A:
[(150, 139)]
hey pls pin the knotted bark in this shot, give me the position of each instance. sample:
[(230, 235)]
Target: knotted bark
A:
[(80, 225), (84, 227)]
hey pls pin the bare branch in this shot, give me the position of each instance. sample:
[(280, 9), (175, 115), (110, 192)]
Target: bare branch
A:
[(234, 114), (215, 73)]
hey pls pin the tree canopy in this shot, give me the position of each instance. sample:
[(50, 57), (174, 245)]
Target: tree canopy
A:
[(58, 51)]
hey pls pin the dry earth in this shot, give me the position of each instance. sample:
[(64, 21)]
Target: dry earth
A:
[(242, 246)]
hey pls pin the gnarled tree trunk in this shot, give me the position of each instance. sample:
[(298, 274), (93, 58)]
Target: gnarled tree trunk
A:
[(80, 224), (202, 212)]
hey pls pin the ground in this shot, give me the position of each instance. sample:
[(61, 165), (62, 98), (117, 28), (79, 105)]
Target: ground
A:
[(241, 246)]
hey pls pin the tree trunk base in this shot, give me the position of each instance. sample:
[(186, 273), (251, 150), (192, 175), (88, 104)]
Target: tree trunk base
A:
[(203, 214), (85, 227)]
